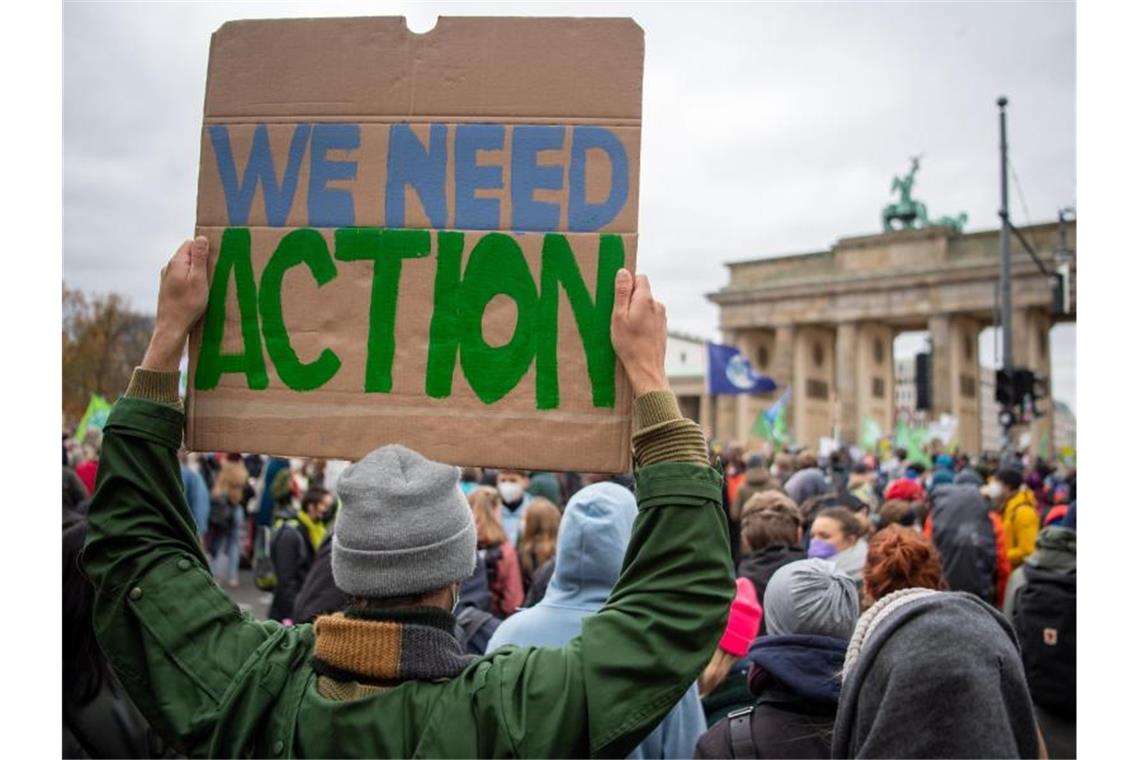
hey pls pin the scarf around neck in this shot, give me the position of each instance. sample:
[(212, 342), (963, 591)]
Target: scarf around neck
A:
[(387, 647)]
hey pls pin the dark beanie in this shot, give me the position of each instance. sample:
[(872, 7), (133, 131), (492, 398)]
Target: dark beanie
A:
[(1011, 478)]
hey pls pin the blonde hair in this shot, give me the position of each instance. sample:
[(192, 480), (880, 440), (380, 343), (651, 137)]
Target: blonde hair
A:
[(485, 505), (540, 534), (715, 672)]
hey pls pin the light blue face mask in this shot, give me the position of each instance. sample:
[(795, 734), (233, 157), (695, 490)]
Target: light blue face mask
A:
[(821, 549)]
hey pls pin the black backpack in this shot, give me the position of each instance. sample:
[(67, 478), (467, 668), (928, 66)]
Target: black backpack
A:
[(1045, 618), (964, 535), (221, 515)]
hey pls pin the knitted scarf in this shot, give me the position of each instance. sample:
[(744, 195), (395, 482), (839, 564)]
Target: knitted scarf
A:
[(873, 617), (383, 648)]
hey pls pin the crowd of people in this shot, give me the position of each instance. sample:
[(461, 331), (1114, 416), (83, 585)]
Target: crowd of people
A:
[(714, 603)]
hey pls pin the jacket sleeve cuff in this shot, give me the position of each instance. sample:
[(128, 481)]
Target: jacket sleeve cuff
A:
[(159, 387), (661, 434)]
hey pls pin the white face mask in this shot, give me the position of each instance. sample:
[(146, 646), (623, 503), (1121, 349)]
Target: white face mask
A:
[(992, 491), (510, 491)]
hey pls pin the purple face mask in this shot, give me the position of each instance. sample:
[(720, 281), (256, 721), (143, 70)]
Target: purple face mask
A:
[(821, 549)]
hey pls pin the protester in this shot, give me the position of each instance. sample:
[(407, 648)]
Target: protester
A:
[(944, 666), (723, 684), (1019, 514), (794, 671), (297, 534), (971, 542), (197, 494), (592, 543), (806, 484), (861, 485), (504, 574), (99, 719), (404, 540), (899, 558), (469, 479), (75, 495), (539, 538), (770, 537), (88, 466), (896, 512), (837, 535), (783, 467), (545, 485), (512, 485), (1042, 605)]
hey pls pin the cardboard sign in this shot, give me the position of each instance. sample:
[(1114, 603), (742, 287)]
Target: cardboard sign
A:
[(414, 239)]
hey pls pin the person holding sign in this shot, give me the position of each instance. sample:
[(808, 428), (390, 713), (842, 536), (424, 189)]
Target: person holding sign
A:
[(386, 677)]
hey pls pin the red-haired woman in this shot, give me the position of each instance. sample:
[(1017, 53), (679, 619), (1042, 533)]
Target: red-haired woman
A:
[(899, 558)]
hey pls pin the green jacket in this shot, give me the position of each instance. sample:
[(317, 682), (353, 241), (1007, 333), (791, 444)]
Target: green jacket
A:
[(216, 682)]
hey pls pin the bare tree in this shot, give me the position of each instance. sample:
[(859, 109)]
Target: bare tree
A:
[(103, 341)]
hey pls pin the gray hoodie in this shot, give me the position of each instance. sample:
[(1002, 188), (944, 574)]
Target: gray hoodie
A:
[(1056, 550), (934, 674)]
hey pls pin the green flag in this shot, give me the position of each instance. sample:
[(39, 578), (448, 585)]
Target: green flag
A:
[(95, 416), (772, 424), (912, 439), (1043, 447), (871, 434)]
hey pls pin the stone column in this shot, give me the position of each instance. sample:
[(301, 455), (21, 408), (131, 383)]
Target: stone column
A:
[(1031, 350), (955, 384), (875, 398), (848, 380), (814, 385)]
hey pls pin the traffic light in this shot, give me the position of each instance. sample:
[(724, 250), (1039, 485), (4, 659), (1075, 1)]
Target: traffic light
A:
[(1004, 391), (922, 381)]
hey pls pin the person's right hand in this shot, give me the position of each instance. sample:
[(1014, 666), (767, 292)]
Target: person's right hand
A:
[(638, 333), (182, 295)]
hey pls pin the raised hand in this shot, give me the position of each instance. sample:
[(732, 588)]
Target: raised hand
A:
[(182, 294), (638, 332)]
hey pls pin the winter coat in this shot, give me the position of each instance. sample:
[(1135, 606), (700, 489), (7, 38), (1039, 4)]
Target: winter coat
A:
[(216, 682), (795, 684), (960, 527), (851, 560), (292, 554), (945, 668), (1021, 523), (512, 518), (592, 541), (505, 578), (539, 583), (1056, 550), (319, 594)]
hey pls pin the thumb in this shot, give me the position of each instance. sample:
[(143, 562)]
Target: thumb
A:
[(623, 291), (199, 252)]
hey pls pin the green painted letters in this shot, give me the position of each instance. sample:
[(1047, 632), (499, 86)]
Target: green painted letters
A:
[(386, 249), (592, 318), (233, 260), (301, 246)]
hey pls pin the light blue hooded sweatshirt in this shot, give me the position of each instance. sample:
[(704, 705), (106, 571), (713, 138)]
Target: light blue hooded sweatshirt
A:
[(592, 539)]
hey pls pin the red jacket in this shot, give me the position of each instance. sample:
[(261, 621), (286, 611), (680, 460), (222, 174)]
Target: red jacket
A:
[(506, 582)]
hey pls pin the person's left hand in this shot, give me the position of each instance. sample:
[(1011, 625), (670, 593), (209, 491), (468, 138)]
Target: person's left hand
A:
[(182, 296)]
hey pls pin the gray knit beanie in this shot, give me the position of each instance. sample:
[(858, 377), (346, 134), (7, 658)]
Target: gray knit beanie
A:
[(404, 526), (811, 597)]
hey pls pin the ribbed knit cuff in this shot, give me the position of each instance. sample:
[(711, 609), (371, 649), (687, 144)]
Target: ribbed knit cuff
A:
[(661, 434), (159, 387)]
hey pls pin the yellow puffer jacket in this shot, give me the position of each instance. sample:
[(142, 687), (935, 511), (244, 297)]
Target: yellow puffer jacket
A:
[(1021, 524)]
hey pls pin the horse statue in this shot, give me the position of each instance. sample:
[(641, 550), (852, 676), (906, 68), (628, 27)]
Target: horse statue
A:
[(906, 211), (909, 213)]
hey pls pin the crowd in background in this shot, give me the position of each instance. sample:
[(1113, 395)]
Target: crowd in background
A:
[(817, 543)]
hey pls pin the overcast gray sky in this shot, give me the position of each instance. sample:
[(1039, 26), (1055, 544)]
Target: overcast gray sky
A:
[(768, 129)]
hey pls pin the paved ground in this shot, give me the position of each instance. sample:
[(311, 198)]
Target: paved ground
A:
[(249, 597)]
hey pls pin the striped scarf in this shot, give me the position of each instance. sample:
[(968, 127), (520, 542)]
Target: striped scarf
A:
[(384, 648)]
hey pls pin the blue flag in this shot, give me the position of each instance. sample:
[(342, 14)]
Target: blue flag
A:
[(731, 374)]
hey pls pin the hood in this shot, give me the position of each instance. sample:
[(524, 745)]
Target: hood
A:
[(851, 560), (807, 666), (916, 648), (1056, 549), (968, 476), (806, 484), (592, 539)]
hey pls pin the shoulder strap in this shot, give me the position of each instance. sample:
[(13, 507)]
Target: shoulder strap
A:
[(740, 732)]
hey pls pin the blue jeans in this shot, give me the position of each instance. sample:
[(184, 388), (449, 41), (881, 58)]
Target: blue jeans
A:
[(226, 548)]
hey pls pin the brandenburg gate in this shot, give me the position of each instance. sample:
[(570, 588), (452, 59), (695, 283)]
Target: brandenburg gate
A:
[(826, 322)]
